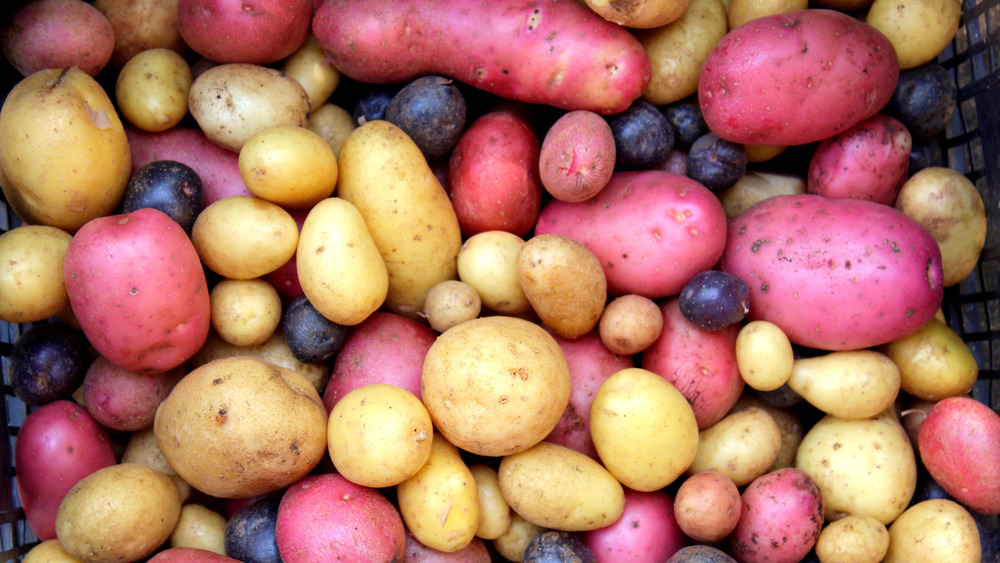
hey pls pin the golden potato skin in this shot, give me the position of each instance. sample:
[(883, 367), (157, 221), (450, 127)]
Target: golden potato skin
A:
[(934, 362), (31, 273), (49, 551), (641, 14), (764, 355), (741, 446), (152, 89), (848, 383), (64, 156), (245, 312), (918, 29), (494, 512), (451, 302), (200, 527), (853, 538), (939, 530), (141, 24), (239, 427), (630, 324), (310, 66), (243, 237), (488, 262)]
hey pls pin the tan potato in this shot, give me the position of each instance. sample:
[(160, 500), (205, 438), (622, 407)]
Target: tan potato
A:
[(451, 302), (379, 435), (121, 512), (314, 70), (742, 446), (853, 538), (934, 362), (658, 421), (245, 312), (630, 324), (764, 355), (339, 265), (789, 425), (141, 24), (31, 273), (494, 512), (495, 386), (678, 50), (847, 384), (333, 123), (439, 504), (560, 488), (707, 506), (918, 29), (564, 283), (488, 262), (938, 530), (290, 166), (641, 14), (152, 89), (240, 427), (755, 186), (200, 527), (742, 11), (49, 551), (512, 543), (232, 102), (949, 206), (243, 237), (64, 157), (762, 153)]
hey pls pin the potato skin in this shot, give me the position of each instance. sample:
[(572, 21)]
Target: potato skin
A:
[(57, 34), (36, 253), (934, 530), (781, 520), (258, 32)]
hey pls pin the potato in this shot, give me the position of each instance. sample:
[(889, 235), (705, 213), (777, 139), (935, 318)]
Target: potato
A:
[(512, 543), (125, 400), (339, 265), (742, 11), (644, 14), (31, 273), (764, 355), (474, 552), (48, 551), (561, 489), (232, 102), (240, 427), (934, 530), (245, 312), (488, 262), (118, 513), (789, 424), (564, 283), (847, 384), (496, 385), (200, 527), (188, 555), (782, 517), (630, 324), (853, 538), (244, 237), (707, 506), (56, 34), (661, 428), (333, 123), (451, 302), (646, 528), (918, 30), (577, 156), (72, 125), (288, 165), (152, 89), (934, 362), (494, 511), (140, 25), (754, 186), (310, 66), (742, 446), (233, 32)]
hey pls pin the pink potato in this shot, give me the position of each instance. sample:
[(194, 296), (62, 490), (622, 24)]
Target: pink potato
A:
[(835, 274), (646, 532), (869, 161), (384, 348), (126, 400), (557, 53), (781, 519), (795, 78), (701, 364), (138, 290), (325, 517), (244, 31), (652, 230), (57, 445), (493, 176), (43, 34), (590, 364), (189, 555), (959, 444), (217, 167), (474, 552), (577, 156)]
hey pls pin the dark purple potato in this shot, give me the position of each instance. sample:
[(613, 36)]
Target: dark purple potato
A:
[(312, 337), (48, 362), (553, 546), (700, 554), (688, 122), (371, 105), (432, 111), (716, 163), (643, 136), (713, 300), (783, 397), (924, 100), (250, 533), (170, 186)]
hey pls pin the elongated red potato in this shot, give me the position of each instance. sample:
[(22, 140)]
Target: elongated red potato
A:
[(557, 53)]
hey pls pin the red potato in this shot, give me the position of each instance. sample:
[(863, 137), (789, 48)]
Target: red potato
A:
[(577, 156), (701, 364), (652, 230), (189, 555), (57, 445), (781, 519), (869, 161), (835, 274), (646, 532), (138, 290), (474, 552), (126, 400), (958, 443), (244, 31), (44, 34), (493, 176), (795, 78), (557, 53), (325, 517)]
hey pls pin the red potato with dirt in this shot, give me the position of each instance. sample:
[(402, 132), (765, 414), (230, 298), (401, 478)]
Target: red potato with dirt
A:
[(557, 53), (577, 156), (125, 400), (57, 34), (781, 519), (646, 532), (244, 31)]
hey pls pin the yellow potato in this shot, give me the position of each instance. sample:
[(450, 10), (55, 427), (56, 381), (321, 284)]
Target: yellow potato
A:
[(918, 29), (152, 89), (847, 384), (938, 530), (764, 355), (200, 527), (639, 14), (314, 70), (290, 166), (451, 302), (934, 362), (860, 539), (494, 512), (121, 512), (560, 488), (755, 186), (762, 153), (439, 503), (64, 157), (333, 123), (488, 262), (408, 213), (31, 273), (789, 425), (243, 237), (245, 312), (742, 11), (644, 429), (49, 551), (339, 265), (630, 324), (742, 446), (495, 386), (379, 435)]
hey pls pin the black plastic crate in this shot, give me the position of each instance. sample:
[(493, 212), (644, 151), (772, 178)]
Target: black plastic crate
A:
[(972, 308)]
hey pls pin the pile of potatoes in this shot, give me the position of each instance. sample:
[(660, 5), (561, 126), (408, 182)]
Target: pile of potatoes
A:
[(468, 324)]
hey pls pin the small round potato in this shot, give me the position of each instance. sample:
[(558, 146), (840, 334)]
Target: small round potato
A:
[(764, 355), (200, 527), (494, 512), (742, 446), (333, 123), (290, 166), (245, 312), (244, 237), (934, 362), (451, 302), (515, 539), (488, 262), (707, 506), (152, 89), (853, 538), (31, 273), (379, 435), (630, 323), (314, 70), (918, 29), (140, 25), (934, 530)]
